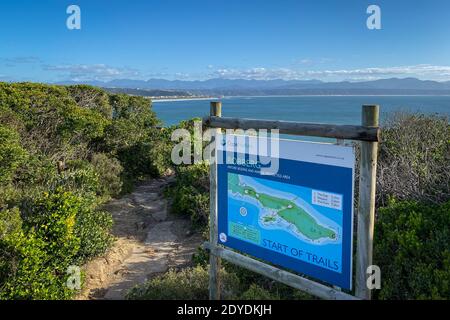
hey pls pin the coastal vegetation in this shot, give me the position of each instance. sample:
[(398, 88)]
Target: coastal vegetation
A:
[(412, 230), (66, 150), (63, 152)]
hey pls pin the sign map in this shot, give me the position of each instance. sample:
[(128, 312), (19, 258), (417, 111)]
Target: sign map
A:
[(299, 218)]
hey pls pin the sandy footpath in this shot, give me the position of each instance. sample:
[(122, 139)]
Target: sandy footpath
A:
[(149, 242)]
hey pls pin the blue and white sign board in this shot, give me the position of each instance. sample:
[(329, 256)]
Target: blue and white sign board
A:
[(301, 217)]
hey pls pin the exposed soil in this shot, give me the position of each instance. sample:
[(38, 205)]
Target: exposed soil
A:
[(150, 241)]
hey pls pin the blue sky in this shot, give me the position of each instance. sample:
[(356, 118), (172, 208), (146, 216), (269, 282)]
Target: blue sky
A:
[(201, 39)]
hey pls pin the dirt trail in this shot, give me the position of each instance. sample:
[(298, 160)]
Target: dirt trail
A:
[(150, 240)]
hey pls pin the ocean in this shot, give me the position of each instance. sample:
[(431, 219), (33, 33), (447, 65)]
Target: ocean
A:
[(316, 109)]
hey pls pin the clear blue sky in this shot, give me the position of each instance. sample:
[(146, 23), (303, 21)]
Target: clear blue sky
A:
[(200, 39)]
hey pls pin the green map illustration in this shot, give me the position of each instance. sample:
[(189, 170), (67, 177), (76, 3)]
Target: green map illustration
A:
[(282, 212)]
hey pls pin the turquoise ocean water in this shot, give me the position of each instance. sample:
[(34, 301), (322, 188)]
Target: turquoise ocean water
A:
[(318, 109)]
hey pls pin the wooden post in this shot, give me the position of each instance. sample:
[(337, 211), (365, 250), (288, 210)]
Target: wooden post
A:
[(366, 203), (214, 261)]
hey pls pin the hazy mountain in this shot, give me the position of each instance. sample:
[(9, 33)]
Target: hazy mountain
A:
[(283, 87), (150, 92)]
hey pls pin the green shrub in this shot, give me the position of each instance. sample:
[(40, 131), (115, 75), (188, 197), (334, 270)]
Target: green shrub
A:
[(141, 150), (412, 250), (109, 170), (414, 160), (134, 108), (255, 292), (91, 98), (61, 229), (9, 196), (27, 271), (73, 230), (10, 222), (53, 217), (188, 200), (80, 177), (187, 284), (201, 257), (248, 278), (137, 160), (190, 194), (11, 154), (37, 171), (51, 121), (93, 229), (29, 267), (101, 176), (122, 134), (71, 138), (160, 153), (253, 286)]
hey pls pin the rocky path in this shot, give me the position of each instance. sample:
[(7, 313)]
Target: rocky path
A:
[(150, 241)]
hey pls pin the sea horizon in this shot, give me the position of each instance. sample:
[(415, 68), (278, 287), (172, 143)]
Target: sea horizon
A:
[(302, 95), (343, 109)]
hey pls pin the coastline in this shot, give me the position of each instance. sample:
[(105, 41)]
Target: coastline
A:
[(295, 96), (338, 95), (184, 99)]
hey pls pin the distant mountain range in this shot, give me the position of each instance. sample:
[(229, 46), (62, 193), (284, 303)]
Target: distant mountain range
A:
[(151, 92), (230, 87)]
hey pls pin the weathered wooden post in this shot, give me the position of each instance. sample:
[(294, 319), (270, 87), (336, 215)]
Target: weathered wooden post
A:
[(366, 203), (214, 261)]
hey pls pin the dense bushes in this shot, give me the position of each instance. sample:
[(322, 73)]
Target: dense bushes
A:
[(11, 153), (72, 123), (49, 121), (190, 193), (52, 218), (82, 127), (414, 160), (187, 284), (92, 98), (413, 215), (412, 250), (61, 229), (64, 151), (93, 229), (255, 292), (10, 222), (109, 171), (63, 216), (193, 283), (27, 271)]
